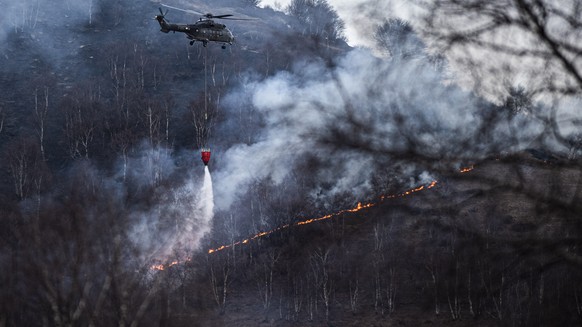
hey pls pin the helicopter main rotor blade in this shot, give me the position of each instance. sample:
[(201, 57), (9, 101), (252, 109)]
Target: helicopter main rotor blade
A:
[(237, 18), (227, 17), (184, 10), (208, 15)]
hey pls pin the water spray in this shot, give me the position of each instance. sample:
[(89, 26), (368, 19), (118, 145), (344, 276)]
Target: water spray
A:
[(202, 214), (207, 196)]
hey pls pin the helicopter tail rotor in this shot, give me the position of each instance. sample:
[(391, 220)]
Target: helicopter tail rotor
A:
[(161, 18)]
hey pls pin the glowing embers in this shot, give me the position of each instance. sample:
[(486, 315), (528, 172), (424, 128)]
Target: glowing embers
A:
[(414, 190), (357, 208), (162, 267)]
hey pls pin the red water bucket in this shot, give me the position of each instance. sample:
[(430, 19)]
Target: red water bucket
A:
[(205, 156)]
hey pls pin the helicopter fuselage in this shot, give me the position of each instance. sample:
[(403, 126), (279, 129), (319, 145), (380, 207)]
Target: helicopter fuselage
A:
[(204, 30)]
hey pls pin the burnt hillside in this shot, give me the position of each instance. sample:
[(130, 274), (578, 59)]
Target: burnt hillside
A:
[(108, 214), (476, 249)]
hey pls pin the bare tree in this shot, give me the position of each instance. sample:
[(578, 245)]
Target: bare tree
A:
[(533, 37), (297, 294), (202, 117), (264, 270), (154, 121), (80, 268), (118, 73), (220, 278), (25, 165), (321, 261), (41, 111), (318, 18), (82, 113), (121, 143), (398, 39), (231, 229), (519, 101)]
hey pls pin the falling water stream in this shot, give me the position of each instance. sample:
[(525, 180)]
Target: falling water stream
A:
[(207, 197)]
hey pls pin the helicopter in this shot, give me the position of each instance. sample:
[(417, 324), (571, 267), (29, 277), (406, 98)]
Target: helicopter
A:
[(204, 30)]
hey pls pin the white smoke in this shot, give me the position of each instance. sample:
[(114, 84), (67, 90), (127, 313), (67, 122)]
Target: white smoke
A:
[(180, 217), (362, 17), (34, 16), (392, 102), (194, 213)]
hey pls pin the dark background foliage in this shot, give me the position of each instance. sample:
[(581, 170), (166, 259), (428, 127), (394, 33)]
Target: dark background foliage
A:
[(101, 118)]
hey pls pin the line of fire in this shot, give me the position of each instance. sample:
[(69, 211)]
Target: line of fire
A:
[(358, 207), (205, 156)]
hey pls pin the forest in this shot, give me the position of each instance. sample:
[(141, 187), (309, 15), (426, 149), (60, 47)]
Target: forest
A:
[(433, 179)]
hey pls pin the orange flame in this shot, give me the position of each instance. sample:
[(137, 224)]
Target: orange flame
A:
[(466, 169), (163, 267), (357, 208)]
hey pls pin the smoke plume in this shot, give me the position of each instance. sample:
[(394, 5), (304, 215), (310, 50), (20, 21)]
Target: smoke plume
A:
[(357, 118), (156, 207), (182, 213)]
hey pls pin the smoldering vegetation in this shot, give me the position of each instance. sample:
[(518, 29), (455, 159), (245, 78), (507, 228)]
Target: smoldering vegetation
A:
[(101, 119)]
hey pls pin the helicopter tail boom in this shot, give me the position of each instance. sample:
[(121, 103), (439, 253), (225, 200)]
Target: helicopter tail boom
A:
[(161, 18), (164, 27), (167, 27)]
